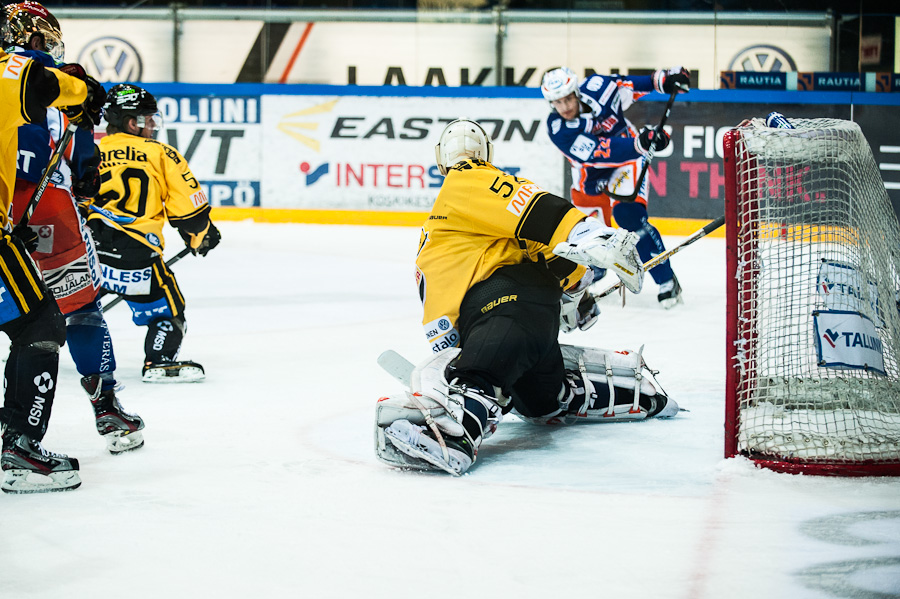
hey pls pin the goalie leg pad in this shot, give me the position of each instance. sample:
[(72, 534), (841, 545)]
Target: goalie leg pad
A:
[(436, 425), (407, 445), (596, 375)]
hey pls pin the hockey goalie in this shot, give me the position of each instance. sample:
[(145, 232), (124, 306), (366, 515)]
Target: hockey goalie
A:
[(502, 267)]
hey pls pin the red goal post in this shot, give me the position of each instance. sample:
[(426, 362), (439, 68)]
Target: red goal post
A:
[(813, 325)]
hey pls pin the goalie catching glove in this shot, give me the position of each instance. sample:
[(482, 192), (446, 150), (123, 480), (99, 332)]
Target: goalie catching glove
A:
[(592, 244)]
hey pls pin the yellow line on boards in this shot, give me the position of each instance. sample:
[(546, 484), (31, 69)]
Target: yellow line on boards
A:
[(666, 226)]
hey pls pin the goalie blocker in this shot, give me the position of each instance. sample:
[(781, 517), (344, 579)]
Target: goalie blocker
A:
[(439, 425)]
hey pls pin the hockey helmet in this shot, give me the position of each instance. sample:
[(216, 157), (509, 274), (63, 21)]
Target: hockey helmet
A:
[(26, 19), (559, 83), (462, 139), (125, 101)]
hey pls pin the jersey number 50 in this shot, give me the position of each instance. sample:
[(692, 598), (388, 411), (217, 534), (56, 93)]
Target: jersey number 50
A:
[(131, 205)]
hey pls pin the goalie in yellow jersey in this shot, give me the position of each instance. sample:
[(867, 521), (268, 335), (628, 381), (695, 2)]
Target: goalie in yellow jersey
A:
[(500, 271), (143, 184)]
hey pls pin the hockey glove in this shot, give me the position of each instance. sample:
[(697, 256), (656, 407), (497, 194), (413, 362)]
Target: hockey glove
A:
[(88, 114), (201, 243), (668, 80), (577, 311), (648, 139), (26, 236), (617, 252), (87, 186), (210, 240)]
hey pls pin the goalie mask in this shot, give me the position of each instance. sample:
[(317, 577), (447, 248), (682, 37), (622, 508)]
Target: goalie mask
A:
[(461, 140), (125, 101), (559, 83), (27, 19)]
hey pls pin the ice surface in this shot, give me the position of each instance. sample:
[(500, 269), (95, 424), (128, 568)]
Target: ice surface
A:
[(262, 481)]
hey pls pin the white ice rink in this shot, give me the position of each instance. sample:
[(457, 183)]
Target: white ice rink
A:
[(262, 481)]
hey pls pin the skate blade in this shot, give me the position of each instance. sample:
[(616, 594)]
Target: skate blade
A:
[(414, 452), (121, 441), (27, 481), (182, 374)]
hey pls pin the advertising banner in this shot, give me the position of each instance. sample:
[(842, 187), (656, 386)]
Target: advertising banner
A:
[(377, 153), (687, 179), (221, 138), (840, 287), (121, 50), (847, 340), (416, 53)]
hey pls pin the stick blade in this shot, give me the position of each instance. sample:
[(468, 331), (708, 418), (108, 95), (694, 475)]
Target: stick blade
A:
[(396, 365)]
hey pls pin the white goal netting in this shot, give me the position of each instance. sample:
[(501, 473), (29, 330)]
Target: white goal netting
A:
[(817, 349)]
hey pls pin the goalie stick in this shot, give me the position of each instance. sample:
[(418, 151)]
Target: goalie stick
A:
[(396, 365), (52, 166), (660, 258), (118, 299), (649, 158)]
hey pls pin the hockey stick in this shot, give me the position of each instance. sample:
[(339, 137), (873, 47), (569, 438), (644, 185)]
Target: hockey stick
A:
[(648, 158), (118, 299), (660, 258), (396, 365), (52, 166)]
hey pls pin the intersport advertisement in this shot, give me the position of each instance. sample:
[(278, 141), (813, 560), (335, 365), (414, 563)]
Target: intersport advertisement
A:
[(377, 153)]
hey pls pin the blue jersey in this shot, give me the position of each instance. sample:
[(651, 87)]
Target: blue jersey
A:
[(601, 138), (37, 141)]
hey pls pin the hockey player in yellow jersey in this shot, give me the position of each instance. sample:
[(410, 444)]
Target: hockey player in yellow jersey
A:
[(500, 271), (28, 313), (143, 184)]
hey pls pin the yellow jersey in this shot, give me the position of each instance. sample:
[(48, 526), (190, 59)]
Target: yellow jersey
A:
[(484, 219), (144, 183), (26, 90)]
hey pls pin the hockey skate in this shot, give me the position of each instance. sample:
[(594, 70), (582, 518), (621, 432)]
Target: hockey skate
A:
[(173, 372), (121, 430), (670, 294), (29, 468)]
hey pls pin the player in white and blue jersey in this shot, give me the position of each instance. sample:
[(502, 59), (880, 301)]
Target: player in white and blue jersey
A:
[(588, 125)]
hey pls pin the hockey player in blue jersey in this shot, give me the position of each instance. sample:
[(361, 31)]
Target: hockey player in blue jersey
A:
[(587, 123), (64, 250)]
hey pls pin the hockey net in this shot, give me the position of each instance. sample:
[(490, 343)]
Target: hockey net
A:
[(813, 329)]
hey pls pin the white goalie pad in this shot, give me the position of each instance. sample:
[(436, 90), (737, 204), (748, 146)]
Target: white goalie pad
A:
[(625, 366), (427, 403), (402, 445), (624, 369), (422, 428)]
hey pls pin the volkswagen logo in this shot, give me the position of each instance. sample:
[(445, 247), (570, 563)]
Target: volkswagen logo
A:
[(110, 59), (762, 58)]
